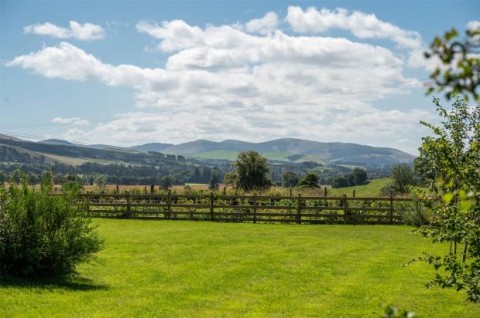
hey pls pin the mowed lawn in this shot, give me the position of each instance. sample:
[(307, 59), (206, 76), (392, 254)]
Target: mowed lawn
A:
[(202, 269)]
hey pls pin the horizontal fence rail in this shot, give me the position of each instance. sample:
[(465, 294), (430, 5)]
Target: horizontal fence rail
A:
[(249, 208)]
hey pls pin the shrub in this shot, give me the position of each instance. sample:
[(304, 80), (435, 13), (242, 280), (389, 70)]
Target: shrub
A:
[(389, 189), (43, 235), (416, 214)]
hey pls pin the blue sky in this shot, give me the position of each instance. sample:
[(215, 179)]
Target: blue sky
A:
[(132, 72)]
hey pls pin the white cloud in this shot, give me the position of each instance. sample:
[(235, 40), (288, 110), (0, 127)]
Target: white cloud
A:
[(242, 82), (86, 31), (74, 121), (473, 25), (265, 25), (176, 34), (361, 25), (67, 61)]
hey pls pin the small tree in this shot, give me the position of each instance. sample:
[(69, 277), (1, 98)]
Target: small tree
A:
[(310, 180), (359, 176), (166, 182), (403, 178), (101, 182), (450, 161), (213, 184), (289, 179), (252, 171), (340, 182), (231, 179)]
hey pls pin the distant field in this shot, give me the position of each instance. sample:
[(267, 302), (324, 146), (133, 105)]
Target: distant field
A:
[(203, 269), (67, 160), (370, 190)]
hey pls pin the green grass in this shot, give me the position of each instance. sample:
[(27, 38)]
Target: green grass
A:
[(369, 190), (202, 269), (219, 155)]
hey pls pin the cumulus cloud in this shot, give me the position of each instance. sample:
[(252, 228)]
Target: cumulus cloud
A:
[(473, 25), (69, 62), (86, 31), (74, 121), (176, 34), (250, 81), (265, 25), (360, 24)]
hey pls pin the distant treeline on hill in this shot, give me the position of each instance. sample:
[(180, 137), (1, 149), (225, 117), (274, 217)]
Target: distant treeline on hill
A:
[(114, 173), (133, 167)]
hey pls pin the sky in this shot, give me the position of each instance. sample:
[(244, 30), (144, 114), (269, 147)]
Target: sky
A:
[(126, 73)]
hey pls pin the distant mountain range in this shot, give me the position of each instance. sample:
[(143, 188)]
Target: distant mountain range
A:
[(287, 149)]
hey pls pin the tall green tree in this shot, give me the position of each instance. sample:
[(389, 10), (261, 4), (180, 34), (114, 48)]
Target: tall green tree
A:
[(450, 161), (252, 171)]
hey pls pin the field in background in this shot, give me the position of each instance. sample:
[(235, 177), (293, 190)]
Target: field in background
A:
[(202, 269), (372, 189), (369, 190)]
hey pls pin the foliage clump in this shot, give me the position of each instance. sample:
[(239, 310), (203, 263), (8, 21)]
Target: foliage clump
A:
[(450, 165), (357, 177), (251, 172), (43, 235), (310, 180), (459, 72), (403, 179)]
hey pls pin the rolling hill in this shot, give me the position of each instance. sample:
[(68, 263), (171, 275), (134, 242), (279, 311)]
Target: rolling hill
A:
[(289, 149)]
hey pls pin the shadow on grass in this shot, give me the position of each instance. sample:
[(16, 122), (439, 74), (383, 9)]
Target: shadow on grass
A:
[(68, 283)]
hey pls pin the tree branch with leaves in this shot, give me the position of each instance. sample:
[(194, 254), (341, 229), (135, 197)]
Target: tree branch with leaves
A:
[(459, 71), (450, 162)]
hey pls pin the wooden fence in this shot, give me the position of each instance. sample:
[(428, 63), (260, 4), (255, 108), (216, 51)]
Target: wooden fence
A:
[(249, 208)]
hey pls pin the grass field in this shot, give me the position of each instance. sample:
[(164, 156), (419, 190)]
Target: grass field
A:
[(202, 269), (372, 189)]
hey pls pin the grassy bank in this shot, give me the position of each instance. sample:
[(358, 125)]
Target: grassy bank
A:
[(190, 269)]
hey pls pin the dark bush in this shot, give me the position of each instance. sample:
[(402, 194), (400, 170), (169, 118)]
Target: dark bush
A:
[(43, 235)]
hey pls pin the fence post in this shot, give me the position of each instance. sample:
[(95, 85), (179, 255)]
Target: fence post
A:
[(88, 203), (128, 205), (325, 192), (390, 216), (299, 209), (291, 192), (169, 204), (353, 193), (212, 198), (345, 208), (254, 208)]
